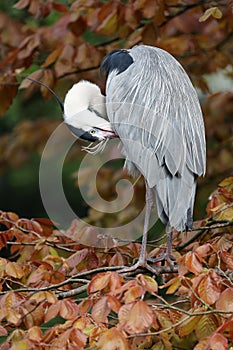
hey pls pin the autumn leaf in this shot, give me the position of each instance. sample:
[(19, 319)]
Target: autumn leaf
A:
[(228, 259), (135, 317), (189, 325), (218, 342), (8, 90), (35, 334), (213, 11), (113, 339), (192, 263), (14, 269), (206, 326), (44, 296), (225, 301), (208, 290), (148, 283), (101, 310)]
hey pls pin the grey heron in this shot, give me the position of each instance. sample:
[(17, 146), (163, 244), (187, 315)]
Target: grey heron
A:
[(152, 106)]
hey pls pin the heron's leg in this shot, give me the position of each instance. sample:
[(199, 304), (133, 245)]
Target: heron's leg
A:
[(149, 205), (142, 261), (167, 256)]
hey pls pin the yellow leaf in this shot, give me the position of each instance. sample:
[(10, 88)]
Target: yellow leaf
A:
[(44, 296), (213, 11), (189, 326), (14, 270), (226, 214), (148, 283), (109, 24)]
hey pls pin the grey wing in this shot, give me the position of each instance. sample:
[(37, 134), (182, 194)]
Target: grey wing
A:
[(154, 109)]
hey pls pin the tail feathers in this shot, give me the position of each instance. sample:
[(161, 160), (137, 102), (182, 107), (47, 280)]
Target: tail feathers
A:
[(175, 200)]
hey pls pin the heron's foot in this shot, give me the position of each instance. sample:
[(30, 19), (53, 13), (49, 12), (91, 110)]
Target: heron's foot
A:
[(140, 264), (168, 257)]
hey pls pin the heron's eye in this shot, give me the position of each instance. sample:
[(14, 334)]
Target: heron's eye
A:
[(92, 132)]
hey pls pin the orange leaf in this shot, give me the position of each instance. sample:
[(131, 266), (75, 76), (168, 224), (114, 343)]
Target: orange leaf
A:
[(112, 339), (192, 263), (110, 280), (101, 310), (98, 282), (218, 342), (68, 309), (148, 283), (136, 317), (114, 303), (208, 290), (35, 334), (132, 294), (44, 296)]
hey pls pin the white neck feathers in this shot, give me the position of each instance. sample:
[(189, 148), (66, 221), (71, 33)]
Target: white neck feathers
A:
[(82, 96)]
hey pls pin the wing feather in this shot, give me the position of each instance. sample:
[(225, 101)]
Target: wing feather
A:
[(154, 109)]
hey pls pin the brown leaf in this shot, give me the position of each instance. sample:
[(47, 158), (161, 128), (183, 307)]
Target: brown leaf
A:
[(208, 290), (113, 339), (150, 34), (101, 310), (192, 263), (132, 294), (228, 259), (98, 282), (3, 331), (35, 334), (85, 306), (76, 258), (136, 317), (148, 283), (225, 301), (44, 296), (14, 269), (8, 90), (114, 303)]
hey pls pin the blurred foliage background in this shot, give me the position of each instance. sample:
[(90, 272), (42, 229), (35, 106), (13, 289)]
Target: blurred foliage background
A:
[(61, 42)]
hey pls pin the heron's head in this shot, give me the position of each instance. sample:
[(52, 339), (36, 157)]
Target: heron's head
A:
[(85, 112)]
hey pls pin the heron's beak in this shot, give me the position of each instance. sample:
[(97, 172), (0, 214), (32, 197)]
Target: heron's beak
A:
[(107, 134)]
